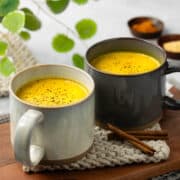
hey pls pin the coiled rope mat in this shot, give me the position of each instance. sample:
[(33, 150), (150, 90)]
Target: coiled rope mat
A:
[(106, 153), (21, 56)]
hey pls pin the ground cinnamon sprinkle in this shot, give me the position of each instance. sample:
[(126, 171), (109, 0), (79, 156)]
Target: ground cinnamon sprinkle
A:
[(146, 26)]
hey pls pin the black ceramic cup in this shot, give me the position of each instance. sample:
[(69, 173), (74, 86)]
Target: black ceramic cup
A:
[(131, 101)]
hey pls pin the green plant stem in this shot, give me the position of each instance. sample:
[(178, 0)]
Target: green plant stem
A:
[(59, 22)]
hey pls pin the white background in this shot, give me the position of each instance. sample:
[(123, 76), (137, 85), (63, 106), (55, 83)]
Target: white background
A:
[(111, 17)]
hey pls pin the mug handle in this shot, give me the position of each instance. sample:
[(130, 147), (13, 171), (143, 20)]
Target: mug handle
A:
[(169, 102), (26, 153)]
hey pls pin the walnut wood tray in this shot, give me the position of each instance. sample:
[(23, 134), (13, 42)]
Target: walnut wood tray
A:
[(10, 169)]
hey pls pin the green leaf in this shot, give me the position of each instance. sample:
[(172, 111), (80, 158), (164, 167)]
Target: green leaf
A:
[(6, 66), (80, 2), (27, 10), (78, 60), (7, 6), (1, 18), (31, 21), (61, 43), (86, 28), (57, 6), (3, 48), (25, 35), (14, 21)]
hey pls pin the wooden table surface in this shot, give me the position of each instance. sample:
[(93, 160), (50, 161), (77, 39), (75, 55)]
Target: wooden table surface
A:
[(10, 169)]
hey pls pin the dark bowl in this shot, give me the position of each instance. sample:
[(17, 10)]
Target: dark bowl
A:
[(168, 38), (146, 35)]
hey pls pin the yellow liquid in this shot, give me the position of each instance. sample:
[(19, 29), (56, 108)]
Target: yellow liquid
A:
[(52, 92), (125, 63)]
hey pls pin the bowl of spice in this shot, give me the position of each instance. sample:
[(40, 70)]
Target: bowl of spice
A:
[(146, 27), (171, 44)]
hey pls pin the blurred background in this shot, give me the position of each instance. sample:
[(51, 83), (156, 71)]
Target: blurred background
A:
[(111, 17)]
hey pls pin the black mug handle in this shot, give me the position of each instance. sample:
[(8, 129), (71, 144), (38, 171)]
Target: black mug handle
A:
[(169, 102)]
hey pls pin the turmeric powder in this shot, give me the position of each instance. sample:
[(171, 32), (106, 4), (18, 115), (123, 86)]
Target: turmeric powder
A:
[(146, 26)]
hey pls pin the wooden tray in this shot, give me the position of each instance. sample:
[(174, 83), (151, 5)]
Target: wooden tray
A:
[(10, 169)]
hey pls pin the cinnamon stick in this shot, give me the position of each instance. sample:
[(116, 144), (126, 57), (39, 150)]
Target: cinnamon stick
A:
[(145, 149), (132, 139), (113, 136), (149, 132)]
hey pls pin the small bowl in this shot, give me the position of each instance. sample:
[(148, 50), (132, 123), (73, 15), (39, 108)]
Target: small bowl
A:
[(168, 38), (146, 35)]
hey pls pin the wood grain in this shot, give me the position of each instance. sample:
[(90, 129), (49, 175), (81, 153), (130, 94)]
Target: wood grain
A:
[(9, 169), (6, 154)]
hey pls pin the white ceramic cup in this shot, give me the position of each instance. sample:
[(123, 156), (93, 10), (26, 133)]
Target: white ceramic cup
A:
[(51, 134)]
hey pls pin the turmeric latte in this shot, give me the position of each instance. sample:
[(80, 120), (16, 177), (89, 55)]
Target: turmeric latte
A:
[(125, 63), (52, 92)]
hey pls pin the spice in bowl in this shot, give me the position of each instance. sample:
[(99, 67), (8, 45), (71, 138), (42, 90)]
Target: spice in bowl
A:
[(172, 46), (145, 26)]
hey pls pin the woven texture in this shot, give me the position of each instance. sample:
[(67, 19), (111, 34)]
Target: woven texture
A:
[(21, 56), (106, 153), (175, 175), (4, 118)]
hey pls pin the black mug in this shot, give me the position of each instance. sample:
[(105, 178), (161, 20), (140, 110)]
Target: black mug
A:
[(131, 101)]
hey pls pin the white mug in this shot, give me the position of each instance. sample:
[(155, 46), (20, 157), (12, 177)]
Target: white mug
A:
[(51, 134)]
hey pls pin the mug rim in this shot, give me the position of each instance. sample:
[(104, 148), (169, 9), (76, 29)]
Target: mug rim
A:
[(51, 107), (125, 38)]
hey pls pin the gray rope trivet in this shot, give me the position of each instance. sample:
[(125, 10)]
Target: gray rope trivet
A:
[(175, 175), (21, 56), (4, 118), (110, 153)]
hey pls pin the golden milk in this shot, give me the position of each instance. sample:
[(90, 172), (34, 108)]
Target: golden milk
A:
[(125, 63), (52, 92)]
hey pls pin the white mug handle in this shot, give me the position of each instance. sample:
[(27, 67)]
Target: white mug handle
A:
[(26, 153)]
